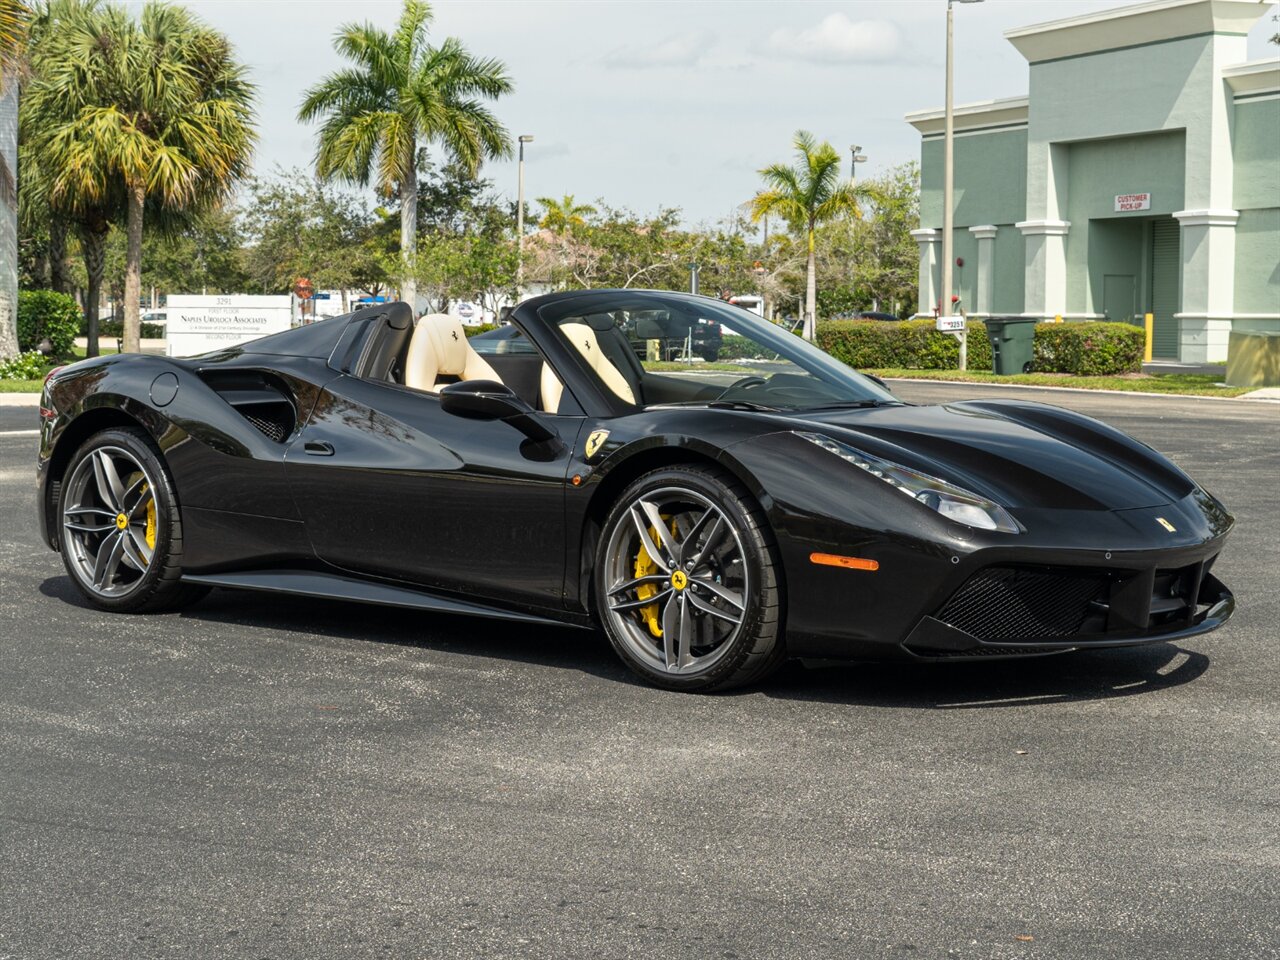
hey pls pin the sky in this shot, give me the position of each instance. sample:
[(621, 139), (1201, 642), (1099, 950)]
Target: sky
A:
[(653, 103)]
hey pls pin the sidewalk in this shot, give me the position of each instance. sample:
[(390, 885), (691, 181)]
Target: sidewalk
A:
[(1265, 394), (1173, 366)]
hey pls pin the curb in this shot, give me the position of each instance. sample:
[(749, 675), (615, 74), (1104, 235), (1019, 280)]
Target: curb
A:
[(1084, 390), (19, 399)]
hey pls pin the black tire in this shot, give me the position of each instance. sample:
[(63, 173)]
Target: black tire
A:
[(159, 586), (758, 646)]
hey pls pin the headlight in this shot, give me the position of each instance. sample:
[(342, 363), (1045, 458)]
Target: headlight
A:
[(954, 503)]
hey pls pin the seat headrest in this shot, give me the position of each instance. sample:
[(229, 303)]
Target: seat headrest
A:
[(439, 348), (449, 340), (584, 340)]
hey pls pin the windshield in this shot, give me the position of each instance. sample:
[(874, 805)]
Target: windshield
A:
[(651, 348)]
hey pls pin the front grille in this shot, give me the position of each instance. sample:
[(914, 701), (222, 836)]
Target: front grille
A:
[(1011, 604)]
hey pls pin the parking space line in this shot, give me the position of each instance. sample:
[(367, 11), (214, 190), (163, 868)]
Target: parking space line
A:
[(19, 433)]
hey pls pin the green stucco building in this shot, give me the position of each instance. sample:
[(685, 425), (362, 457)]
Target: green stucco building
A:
[(1141, 173)]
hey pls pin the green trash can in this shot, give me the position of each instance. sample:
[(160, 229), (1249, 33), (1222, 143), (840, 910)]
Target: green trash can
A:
[(1012, 343)]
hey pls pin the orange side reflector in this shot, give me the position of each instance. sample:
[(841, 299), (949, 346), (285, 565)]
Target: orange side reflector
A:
[(849, 563)]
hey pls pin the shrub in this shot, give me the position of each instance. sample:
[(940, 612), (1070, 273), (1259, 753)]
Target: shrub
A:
[(1089, 349), (909, 345), (46, 313), (735, 347), (146, 331), (25, 366), (1086, 349), (482, 328)]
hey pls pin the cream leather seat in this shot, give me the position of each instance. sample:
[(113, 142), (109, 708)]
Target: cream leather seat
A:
[(439, 348), (584, 339)]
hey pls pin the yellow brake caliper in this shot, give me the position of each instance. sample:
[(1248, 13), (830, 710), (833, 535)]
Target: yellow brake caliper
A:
[(151, 520), (646, 566)]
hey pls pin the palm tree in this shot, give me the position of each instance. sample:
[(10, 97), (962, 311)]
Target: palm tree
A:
[(403, 92), (34, 208), (805, 196), (564, 216), (156, 109), (14, 17)]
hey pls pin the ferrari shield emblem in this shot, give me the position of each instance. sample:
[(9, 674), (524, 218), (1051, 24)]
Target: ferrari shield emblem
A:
[(1166, 524), (595, 441)]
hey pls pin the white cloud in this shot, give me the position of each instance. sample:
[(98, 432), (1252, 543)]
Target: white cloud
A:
[(837, 39), (682, 51)]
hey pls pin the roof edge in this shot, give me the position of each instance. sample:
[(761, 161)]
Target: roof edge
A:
[(1134, 25)]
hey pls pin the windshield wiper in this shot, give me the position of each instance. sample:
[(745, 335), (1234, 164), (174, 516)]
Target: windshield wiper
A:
[(853, 405), (742, 405)]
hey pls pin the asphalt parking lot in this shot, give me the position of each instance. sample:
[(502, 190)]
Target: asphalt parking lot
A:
[(265, 777)]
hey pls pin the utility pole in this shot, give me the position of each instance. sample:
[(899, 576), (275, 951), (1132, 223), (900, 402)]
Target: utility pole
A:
[(524, 138), (948, 186)]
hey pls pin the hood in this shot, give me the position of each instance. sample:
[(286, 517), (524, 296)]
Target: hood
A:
[(1016, 453)]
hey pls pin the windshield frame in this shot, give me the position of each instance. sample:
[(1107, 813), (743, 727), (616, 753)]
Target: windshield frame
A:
[(552, 309)]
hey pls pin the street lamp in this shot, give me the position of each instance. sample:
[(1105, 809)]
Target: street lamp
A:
[(523, 139), (855, 158), (948, 173)]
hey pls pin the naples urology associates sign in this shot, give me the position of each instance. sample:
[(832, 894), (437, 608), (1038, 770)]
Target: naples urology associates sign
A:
[(198, 324), (1127, 202)]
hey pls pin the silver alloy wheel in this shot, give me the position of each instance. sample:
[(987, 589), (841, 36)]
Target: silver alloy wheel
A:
[(678, 583), (108, 521)]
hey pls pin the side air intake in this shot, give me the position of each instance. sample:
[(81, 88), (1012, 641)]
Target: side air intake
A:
[(258, 397)]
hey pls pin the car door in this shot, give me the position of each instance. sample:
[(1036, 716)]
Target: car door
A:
[(391, 485)]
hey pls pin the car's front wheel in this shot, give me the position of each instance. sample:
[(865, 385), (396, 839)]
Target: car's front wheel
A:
[(121, 532), (687, 582)]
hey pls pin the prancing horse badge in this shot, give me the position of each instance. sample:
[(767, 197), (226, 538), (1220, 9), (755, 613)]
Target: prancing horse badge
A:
[(595, 440), (1160, 520)]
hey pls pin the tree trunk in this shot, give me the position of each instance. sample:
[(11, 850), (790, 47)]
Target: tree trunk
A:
[(811, 294), (59, 276), (9, 334), (133, 270), (409, 236), (93, 241)]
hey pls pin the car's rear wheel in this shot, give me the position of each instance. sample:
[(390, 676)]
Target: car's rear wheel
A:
[(121, 532), (687, 582)]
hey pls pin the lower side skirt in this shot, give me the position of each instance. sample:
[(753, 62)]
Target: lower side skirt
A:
[(308, 583)]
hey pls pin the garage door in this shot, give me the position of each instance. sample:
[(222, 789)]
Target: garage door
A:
[(1166, 263)]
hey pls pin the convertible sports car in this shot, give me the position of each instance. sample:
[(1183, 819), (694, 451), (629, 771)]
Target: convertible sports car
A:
[(713, 518)]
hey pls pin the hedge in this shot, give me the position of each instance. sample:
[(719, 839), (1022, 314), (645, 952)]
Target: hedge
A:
[(115, 328), (46, 313), (1088, 348), (478, 329)]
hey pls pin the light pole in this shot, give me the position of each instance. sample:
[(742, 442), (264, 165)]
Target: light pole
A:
[(523, 138), (948, 173), (855, 158)]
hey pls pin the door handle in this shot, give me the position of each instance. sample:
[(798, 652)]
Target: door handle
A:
[(318, 448)]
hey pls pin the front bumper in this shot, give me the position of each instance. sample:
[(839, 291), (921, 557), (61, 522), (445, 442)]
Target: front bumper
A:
[(1114, 608)]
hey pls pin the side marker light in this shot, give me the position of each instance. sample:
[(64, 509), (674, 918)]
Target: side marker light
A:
[(849, 563)]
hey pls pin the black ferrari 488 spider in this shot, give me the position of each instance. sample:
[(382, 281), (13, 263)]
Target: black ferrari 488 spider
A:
[(712, 517)]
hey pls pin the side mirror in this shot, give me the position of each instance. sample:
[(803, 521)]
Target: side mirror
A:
[(490, 400)]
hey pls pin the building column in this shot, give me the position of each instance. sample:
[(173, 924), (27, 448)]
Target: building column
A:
[(930, 269), (1208, 284), (1046, 267), (984, 302)]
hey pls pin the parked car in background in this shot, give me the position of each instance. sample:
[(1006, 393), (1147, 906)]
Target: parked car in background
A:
[(660, 335)]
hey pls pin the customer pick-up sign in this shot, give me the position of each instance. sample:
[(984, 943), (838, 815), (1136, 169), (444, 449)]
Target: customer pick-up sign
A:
[(1126, 202)]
